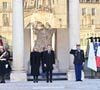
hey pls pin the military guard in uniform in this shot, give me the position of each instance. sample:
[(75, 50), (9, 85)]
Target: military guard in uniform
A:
[(4, 65), (78, 61)]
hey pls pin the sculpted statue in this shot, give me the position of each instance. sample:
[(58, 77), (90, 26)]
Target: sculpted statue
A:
[(44, 35)]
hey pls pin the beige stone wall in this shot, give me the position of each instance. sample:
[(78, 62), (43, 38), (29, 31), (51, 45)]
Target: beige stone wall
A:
[(60, 14), (87, 29), (6, 31)]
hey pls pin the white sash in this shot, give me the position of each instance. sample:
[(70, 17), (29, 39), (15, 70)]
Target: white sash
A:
[(1, 57)]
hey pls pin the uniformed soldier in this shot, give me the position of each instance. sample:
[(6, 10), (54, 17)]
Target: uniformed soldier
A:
[(78, 61), (4, 65)]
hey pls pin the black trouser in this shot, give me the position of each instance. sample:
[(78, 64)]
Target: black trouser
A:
[(35, 78), (2, 78), (49, 75)]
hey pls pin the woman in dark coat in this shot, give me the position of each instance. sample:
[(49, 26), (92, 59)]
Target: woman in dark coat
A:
[(35, 64)]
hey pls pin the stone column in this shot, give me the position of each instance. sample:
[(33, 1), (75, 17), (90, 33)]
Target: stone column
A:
[(74, 31), (18, 72)]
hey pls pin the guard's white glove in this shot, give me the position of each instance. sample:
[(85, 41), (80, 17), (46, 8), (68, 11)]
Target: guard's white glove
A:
[(6, 65), (44, 65)]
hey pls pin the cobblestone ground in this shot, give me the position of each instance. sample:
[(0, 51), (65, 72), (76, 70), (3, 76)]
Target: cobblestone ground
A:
[(88, 84)]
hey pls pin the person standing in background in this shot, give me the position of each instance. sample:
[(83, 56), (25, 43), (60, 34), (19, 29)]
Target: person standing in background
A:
[(4, 66)]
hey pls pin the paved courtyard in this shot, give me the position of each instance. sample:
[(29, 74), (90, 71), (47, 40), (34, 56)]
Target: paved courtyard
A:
[(88, 84)]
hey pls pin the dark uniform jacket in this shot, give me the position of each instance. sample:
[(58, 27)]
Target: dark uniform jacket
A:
[(78, 56), (49, 59), (35, 63), (4, 64)]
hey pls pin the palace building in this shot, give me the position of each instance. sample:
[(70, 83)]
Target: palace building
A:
[(72, 22)]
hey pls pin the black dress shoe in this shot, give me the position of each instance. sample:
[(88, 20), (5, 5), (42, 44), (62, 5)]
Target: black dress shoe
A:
[(36, 81), (78, 80), (47, 81), (2, 82), (50, 81)]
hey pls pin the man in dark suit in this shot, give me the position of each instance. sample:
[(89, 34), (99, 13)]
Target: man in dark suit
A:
[(78, 61), (49, 61), (35, 64)]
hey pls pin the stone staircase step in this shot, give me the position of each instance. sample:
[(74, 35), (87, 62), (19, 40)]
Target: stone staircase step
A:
[(56, 76)]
